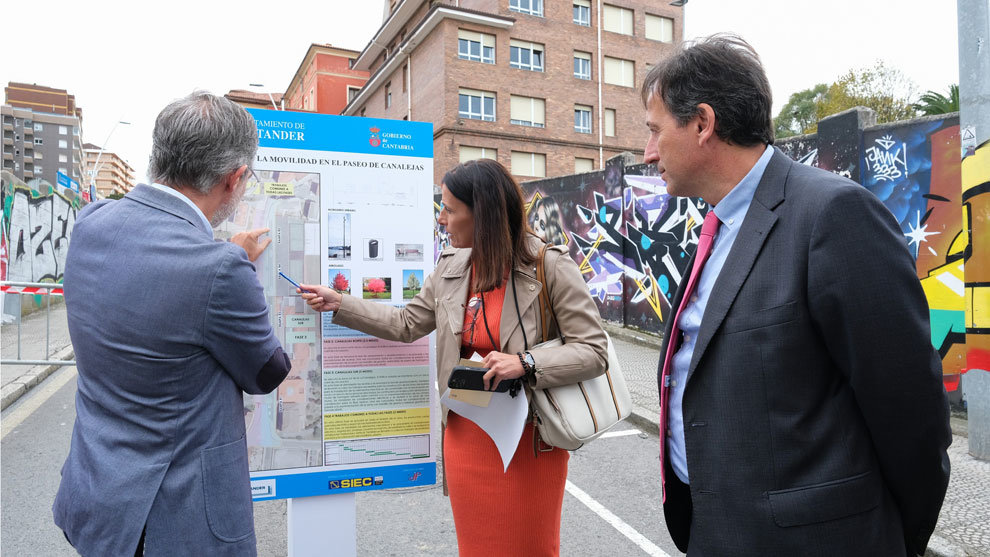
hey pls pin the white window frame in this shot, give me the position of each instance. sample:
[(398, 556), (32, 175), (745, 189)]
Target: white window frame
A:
[(533, 157), (659, 28), (485, 45), (39, 141), (39, 155), (582, 60), (63, 130), (610, 122), (582, 12), (352, 92), (38, 127), (63, 158), (582, 118), (63, 144), (482, 98), (617, 19), (516, 49), (537, 107), (531, 7), (623, 72), (64, 170)]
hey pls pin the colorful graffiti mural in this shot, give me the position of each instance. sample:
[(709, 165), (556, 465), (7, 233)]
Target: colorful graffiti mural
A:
[(34, 232), (976, 213)]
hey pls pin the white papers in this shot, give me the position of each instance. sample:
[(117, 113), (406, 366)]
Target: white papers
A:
[(503, 420)]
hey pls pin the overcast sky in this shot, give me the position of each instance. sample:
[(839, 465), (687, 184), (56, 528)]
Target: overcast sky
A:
[(127, 60)]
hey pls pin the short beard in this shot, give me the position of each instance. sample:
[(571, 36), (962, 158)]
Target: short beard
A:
[(225, 210)]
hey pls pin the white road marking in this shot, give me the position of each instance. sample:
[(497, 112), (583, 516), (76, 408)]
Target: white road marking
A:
[(621, 433), (38, 396), (626, 530)]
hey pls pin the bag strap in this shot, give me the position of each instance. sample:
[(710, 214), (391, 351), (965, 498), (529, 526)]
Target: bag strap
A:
[(545, 303)]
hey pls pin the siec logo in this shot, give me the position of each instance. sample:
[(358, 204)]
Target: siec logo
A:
[(351, 483)]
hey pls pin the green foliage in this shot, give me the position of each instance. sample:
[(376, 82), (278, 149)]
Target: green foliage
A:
[(115, 195), (882, 88), (936, 103), (412, 283), (800, 114)]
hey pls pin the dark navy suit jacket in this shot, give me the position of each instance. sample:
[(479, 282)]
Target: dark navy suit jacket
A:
[(814, 414), (169, 328)]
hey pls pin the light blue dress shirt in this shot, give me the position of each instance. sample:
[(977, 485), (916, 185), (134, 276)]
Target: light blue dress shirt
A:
[(177, 193), (730, 211)]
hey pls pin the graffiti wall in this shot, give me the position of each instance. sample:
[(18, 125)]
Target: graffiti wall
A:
[(976, 251), (34, 232)]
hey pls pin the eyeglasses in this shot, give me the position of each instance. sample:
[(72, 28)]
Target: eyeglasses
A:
[(471, 313), (252, 177)]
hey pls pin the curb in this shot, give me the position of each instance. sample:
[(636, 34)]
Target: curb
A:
[(20, 386), (642, 338)]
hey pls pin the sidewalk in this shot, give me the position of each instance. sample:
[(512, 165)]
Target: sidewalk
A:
[(16, 380), (963, 527)]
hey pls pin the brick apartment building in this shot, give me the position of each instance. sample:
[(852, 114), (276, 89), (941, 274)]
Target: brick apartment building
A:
[(325, 80), (545, 87), (113, 174), (42, 133), (253, 99)]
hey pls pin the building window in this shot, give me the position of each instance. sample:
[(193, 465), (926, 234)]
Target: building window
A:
[(63, 130), (582, 118), (39, 141), (37, 169), (352, 92), (610, 122), (39, 155), (620, 72), (526, 56), (63, 144), (474, 46), (75, 130), (468, 153), (583, 165), (659, 28), (64, 170), (476, 105), (388, 94), (63, 158), (618, 20), (38, 127), (582, 12), (582, 65), (531, 7), (529, 164), (527, 111)]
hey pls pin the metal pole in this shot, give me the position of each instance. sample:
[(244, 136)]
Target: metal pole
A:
[(96, 163), (48, 326)]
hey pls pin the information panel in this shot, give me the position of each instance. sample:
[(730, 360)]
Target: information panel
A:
[(349, 202)]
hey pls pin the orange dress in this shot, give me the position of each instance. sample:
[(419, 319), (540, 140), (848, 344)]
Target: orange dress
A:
[(511, 513)]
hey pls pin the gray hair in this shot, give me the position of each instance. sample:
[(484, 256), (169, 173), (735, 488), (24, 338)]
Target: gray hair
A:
[(724, 72), (199, 139)]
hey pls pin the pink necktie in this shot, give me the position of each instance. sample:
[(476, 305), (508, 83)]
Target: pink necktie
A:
[(705, 241)]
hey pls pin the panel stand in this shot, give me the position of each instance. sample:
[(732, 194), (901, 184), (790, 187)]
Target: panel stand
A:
[(323, 525)]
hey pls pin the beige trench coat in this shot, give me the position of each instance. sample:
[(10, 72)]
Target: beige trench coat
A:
[(440, 306)]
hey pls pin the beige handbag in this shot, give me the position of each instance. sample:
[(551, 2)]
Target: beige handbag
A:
[(569, 416)]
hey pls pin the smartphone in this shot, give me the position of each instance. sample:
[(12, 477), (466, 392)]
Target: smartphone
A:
[(472, 379)]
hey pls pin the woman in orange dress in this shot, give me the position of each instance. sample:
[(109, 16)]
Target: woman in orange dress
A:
[(483, 297)]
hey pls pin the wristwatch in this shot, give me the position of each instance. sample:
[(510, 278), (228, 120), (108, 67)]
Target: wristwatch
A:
[(528, 363)]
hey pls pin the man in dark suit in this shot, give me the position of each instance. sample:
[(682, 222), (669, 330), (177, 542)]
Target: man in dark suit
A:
[(802, 409), (169, 328)]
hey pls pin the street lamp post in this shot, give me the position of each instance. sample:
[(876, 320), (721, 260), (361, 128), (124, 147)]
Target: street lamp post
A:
[(270, 97), (96, 163)]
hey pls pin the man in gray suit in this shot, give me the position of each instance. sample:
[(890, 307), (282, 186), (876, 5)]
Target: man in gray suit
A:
[(803, 411), (169, 328)]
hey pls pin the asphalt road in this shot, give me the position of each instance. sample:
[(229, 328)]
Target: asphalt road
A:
[(612, 506)]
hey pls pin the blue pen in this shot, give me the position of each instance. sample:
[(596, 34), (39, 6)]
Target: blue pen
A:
[(294, 283)]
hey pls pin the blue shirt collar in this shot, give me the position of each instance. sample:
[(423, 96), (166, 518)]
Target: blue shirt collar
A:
[(733, 207), (177, 193)]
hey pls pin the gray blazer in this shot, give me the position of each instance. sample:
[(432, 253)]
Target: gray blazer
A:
[(815, 418), (169, 327)]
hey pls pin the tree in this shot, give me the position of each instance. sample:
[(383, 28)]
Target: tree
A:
[(115, 195), (800, 114), (376, 285), (937, 103), (884, 89), (412, 283), (340, 283)]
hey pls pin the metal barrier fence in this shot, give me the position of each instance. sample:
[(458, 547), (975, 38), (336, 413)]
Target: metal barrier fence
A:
[(45, 288)]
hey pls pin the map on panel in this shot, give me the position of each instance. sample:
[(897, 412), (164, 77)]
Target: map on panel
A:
[(284, 428)]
